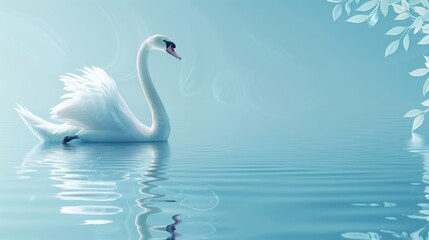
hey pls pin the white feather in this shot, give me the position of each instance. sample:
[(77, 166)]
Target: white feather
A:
[(44, 130), (93, 102)]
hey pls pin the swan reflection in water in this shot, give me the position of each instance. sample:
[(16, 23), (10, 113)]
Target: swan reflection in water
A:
[(124, 186)]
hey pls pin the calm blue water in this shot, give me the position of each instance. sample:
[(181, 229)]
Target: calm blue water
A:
[(355, 184)]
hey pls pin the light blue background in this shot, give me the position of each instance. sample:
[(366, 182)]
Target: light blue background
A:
[(293, 119), (251, 70)]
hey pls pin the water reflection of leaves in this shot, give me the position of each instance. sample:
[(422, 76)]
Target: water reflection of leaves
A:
[(416, 145), (361, 235)]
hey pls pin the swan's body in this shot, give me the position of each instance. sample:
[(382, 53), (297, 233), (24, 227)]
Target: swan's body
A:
[(94, 111)]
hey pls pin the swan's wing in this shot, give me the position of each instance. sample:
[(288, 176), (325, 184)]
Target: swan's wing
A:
[(93, 102)]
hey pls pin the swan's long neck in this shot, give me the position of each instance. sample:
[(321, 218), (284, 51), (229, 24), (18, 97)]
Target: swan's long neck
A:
[(160, 124)]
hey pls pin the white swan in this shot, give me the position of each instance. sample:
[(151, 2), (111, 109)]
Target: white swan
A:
[(94, 111)]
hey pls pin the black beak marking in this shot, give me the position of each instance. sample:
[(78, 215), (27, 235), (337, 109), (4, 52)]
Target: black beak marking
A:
[(168, 44)]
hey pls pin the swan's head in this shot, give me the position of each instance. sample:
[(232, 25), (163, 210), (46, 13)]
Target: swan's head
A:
[(162, 43)]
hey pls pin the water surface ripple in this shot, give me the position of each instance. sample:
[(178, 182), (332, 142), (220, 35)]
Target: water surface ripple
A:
[(355, 184)]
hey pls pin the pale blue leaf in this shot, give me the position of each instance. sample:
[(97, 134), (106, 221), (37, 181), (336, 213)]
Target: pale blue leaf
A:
[(335, 1), (417, 24), (418, 121), (396, 30), (427, 61), (358, 19), (367, 6), (417, 28), (398, 8), (426, 16), (402, 16), (347, 7), (420, 10), (426, 103), (337, 11), (425, 28), (384, 7), (419, 72), (373, 19), (391, 48), (406, 42), (425, 40), (426, 87), (414, 2), (413, 113), (425, 3), (405, 4)]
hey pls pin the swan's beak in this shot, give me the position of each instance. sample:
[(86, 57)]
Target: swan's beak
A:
[(171, 51)]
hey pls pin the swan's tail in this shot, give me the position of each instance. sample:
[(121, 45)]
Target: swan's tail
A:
[(44, 130)]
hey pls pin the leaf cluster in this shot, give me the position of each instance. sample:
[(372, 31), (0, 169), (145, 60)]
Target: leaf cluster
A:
[(414, 18)]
